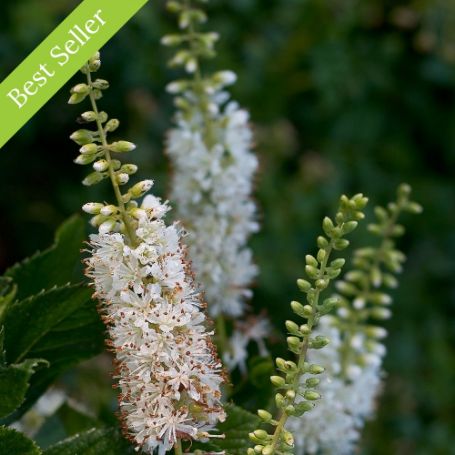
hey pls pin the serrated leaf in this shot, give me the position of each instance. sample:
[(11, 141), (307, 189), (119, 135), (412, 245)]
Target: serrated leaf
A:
[(238, 424), (56, 266), (106, 441), (14, 383), (14, 443), (61, 326)]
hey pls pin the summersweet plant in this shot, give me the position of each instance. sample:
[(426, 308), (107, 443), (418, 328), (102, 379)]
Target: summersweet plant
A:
[(150, 287)]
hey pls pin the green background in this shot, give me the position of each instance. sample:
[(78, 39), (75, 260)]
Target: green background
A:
[(345, 96)]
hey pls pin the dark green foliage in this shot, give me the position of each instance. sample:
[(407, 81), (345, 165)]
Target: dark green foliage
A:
[(106, 441), (14, 383), (56, 266), (14, 443), (50, 319)]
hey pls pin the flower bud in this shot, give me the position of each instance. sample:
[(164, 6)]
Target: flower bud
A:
[(100, 84), (85, 159), (312, 382), (316, 369), (292, 327), (92, 179), (109, 210), (277, 381), (88, 149), (225, 77), (107, 226), (122, 146), (122, 178), (92, 208), (82, 137), (140, 188), (265, 415), (261, 434), (112, 125), (303, 285), (311, 395), (129, 169), (80, 88), (101, 165), (89, 116)]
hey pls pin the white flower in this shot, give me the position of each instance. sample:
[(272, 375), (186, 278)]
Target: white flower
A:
[(212, 185), (168, 372)]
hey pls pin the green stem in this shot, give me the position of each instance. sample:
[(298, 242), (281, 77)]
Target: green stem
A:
[(118, 195), (357, 319), (302, 356), (209, 137), (178, 448)]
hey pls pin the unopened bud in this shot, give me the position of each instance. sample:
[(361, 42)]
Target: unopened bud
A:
[(101, 165), (92, 208), (112, 125), (122, 146)]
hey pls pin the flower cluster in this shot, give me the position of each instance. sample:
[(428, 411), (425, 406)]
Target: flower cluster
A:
[(210, 151), (167, 368), (297, 381), (168, 371), (353, 360)]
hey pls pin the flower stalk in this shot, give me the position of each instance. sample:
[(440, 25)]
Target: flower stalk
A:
[(296, 398)]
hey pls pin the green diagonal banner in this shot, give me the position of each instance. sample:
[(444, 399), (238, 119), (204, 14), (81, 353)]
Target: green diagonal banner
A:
[(58, 57)]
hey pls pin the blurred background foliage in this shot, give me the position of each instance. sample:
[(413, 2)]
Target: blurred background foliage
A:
[(345, 96)]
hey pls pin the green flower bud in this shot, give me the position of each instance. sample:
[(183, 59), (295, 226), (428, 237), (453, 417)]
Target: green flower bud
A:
[(122, 146), (303, 407), (305, 329), (319, 342), (92, 208), (290, 394), (101, 165), (89, 116), (82, 137), (92, 179), (312, 382), (109, 210), (251, 451), (279, 400), (293, 328), (327, 226), (311, 395), (308, 311), (311, 271), (293, 343), (265, 415), (80, 89), (316, 369), (85, 159), (267, 450), (261, 434), (280, 363), (340, 244), (338, 263), (303, 285), (122, 178), (129, 169), (288, 438), (141, 188), (297, 308), (322, 283), (100, 84), (322, 242), (321, 255), (415, 208), (277, 381), (112, 125), (349, 226), (289, 409), (88, 149), (311, 260)]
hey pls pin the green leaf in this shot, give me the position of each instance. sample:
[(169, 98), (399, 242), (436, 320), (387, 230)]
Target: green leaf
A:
[(7, 293), (65, 329), (56, 266), (65, 422), (14, 443), (14, 383), (236, 428), (106, 441)]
